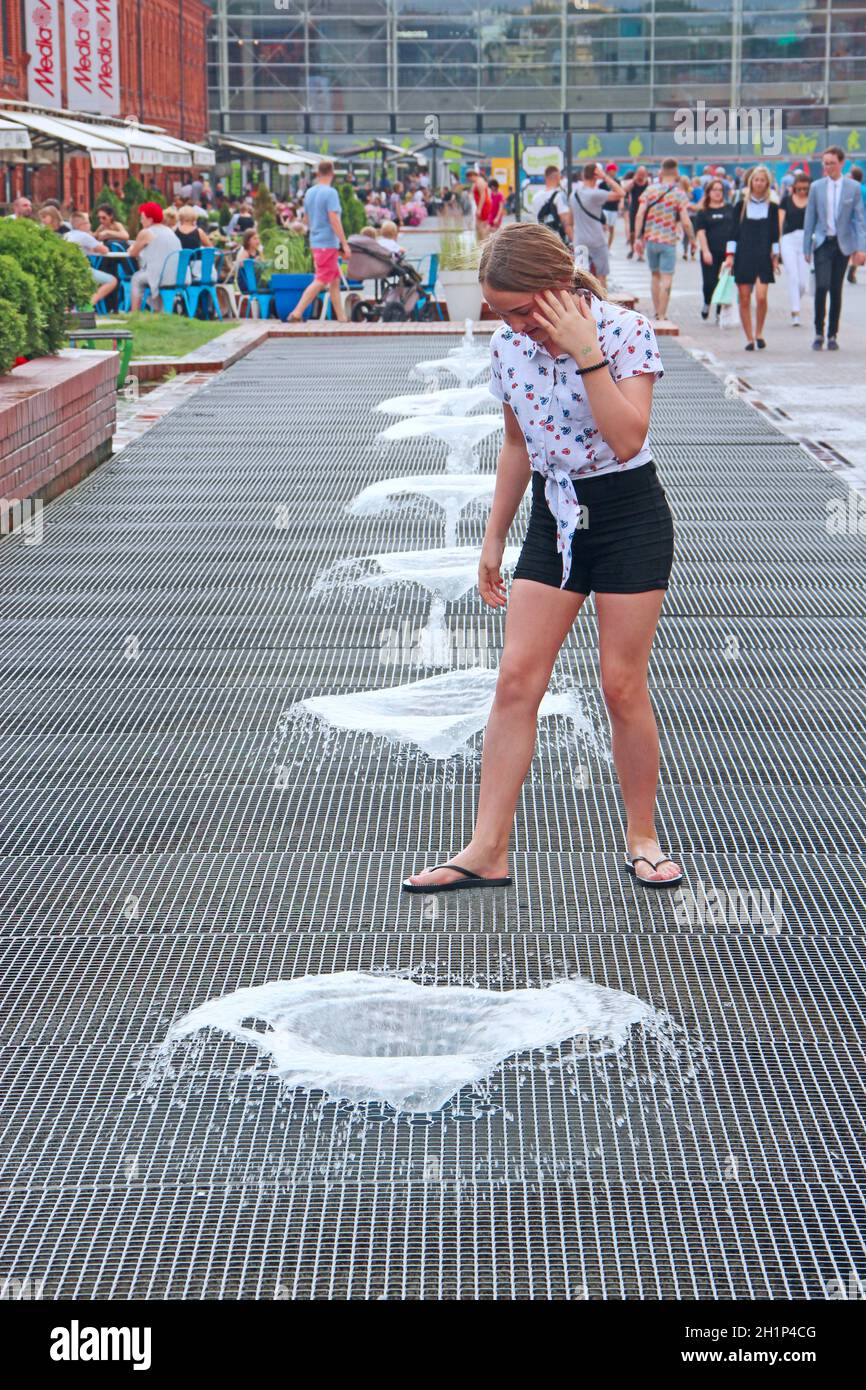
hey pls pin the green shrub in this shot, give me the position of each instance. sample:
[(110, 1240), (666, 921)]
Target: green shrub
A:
[(134, 194), (60, 269), (13, 334), (264, 209), (225, 215), (353, 214), (22, 292), (288, 254)]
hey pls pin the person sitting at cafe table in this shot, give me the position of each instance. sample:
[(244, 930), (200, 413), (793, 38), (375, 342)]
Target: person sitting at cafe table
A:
[(156, 249), (79, 234), (107, 226), (188, 232)]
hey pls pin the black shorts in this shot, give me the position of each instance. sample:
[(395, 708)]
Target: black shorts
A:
[(627, 545)]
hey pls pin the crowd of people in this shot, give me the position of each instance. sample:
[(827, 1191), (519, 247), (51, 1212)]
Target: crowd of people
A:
[(743, 226), (203, 215)]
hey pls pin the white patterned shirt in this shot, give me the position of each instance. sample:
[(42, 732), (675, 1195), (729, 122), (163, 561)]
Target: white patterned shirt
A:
[(549, 400)]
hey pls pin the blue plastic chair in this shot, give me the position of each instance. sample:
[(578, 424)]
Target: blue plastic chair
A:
[(204, 284), (248, 284), (173, 278), (427, 289)]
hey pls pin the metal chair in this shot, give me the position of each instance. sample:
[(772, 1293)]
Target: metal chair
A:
[(203, 284), (252, 295), (427, 289), (173, 279)]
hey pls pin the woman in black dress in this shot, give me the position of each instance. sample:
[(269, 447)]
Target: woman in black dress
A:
[(715, 226), (753, 251)]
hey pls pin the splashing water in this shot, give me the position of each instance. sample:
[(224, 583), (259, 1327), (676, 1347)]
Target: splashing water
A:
[(438, 715), (452, 492), (460, 432), (450, 400), (382, 1038), (462, 364), (447, 573)]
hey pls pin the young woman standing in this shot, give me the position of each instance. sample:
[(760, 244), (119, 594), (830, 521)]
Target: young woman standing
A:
[(575, 375), (753, 251), (714, 227), (792, 215)]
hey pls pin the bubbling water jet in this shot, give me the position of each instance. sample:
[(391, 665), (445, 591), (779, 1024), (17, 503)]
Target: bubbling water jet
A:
[(380, 1038)]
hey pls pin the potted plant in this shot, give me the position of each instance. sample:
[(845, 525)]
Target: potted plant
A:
[(288, 269), (458, 275)]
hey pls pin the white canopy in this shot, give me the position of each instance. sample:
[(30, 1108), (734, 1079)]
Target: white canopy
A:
[(110, 144), (104, 154), (13, 136), (290, 161), (143, 146)]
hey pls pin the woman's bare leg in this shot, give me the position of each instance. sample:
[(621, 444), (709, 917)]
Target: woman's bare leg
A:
[(760, 308), (538, 620), (626, 628), (745, 292)]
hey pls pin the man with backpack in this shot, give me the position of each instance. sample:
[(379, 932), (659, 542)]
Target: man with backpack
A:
[(549, 205), (587, 209)]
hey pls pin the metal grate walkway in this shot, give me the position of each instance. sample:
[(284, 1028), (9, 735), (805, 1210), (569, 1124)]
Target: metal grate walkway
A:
[(149, 862)]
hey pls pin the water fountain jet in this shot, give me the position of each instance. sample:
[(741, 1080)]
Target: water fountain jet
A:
[(462, 433), (383, 1039), (452, 492)]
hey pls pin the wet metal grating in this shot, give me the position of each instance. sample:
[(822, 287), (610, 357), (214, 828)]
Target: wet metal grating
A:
[(148, 862)]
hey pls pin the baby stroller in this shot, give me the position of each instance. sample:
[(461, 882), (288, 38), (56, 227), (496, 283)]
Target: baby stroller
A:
[(400, 293)]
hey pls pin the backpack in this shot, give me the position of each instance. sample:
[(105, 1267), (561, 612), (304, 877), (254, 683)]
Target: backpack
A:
[(548, 216)]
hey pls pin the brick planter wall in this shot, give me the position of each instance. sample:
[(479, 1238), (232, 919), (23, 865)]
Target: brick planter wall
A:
[(57, 417)]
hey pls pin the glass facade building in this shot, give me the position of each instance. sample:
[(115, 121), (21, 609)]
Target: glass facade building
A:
[(283, 68)]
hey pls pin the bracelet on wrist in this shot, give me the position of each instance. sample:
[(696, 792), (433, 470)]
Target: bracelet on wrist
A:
[(596, 366)]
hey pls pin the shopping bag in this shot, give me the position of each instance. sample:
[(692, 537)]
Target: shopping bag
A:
[(728, 316), (725, 291)]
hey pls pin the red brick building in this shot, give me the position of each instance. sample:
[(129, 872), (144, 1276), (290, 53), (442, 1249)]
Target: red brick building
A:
[(163, 81)]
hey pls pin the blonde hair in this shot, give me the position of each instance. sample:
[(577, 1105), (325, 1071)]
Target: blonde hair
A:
[(747, 190), (52, 215), (388, 228), (367, 231), (186, 214), (169, 216), (528, 256)]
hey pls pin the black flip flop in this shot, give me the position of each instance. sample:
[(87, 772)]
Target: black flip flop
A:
[(647, 882), (472, 881)]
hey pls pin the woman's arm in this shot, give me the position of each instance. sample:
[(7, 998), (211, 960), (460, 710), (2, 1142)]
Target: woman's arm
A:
[(621, 409), (512, 475)]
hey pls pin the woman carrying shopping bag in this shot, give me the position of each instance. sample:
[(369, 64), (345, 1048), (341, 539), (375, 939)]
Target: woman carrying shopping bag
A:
[(753, 252), (714, 226), (792, 211)]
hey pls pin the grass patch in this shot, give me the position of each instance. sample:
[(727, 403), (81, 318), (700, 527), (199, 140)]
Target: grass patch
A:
[(169, 335)]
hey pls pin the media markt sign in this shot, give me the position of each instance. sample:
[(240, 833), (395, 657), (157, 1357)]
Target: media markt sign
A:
[(537, 157)]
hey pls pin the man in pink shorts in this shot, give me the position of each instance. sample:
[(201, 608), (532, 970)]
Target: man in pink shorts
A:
[(322, 214)]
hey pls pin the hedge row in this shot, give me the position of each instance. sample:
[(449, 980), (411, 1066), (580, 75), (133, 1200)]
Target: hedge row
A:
[(42, 277)]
